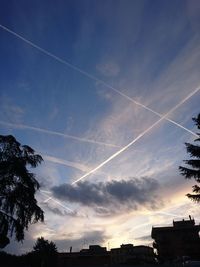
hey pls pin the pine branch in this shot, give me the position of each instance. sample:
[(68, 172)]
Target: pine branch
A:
[(196, 189), (193, 197), (193, 150), (190, 173), (195, 163)]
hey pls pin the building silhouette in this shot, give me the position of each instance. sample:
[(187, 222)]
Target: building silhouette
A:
[(95, 255), (130, 254), (177, 241), (94, 250)]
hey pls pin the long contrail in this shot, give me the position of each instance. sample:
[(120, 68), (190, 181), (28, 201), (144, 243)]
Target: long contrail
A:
[(90, 76), (67, 163), (43, 192), (47, 200), (37, 129), (150, 223), (137, 138)]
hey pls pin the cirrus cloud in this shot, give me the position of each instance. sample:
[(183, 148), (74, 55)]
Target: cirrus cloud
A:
[(109, 69)]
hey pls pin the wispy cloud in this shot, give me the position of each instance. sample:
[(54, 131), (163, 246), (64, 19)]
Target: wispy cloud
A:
[(146, 69), (67, 163), (139, 136), (90, 76), (37, 129), (10, 111), (109, 69)]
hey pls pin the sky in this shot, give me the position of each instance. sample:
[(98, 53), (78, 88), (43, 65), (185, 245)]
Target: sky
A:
[(105, 91)]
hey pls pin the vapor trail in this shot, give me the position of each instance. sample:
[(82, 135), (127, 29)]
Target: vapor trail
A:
[(137, 138), (155, 112), (150, 223), (45, 201), (78, 166), (92, 77), (56, 201), (168, 214), (67, 163), (37, 129)]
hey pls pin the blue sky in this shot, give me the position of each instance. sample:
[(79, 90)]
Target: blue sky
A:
[(80, 112)]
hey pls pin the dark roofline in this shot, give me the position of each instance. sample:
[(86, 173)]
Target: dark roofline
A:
[(157, 230)]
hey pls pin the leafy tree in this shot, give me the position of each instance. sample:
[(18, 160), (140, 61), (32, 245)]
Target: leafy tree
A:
[(194, 163), (18, 206), (45, 246), (45, 253)]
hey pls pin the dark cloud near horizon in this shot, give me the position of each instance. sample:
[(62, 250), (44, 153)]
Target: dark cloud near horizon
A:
[(86, 239), (63, 245), (107, 197)]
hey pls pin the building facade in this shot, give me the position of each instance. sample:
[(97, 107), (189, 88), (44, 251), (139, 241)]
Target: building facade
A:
[(177, 241)]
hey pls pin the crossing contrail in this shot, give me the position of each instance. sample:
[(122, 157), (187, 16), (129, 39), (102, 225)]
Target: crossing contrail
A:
[(37, 129), (162, 117), (44, 193), (137, 138), (90, 76)]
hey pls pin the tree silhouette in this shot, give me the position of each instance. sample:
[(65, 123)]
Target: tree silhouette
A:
[(45, 253), (45, 246), (194, 163), (18, 206)]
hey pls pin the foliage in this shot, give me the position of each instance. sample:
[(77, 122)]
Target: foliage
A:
[(31, 259), (18, 206), (9, 260), (45, 253), (194, 163), (44, 246)]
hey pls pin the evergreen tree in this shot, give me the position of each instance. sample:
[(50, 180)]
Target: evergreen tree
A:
[(18, 206), (194, 163)]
